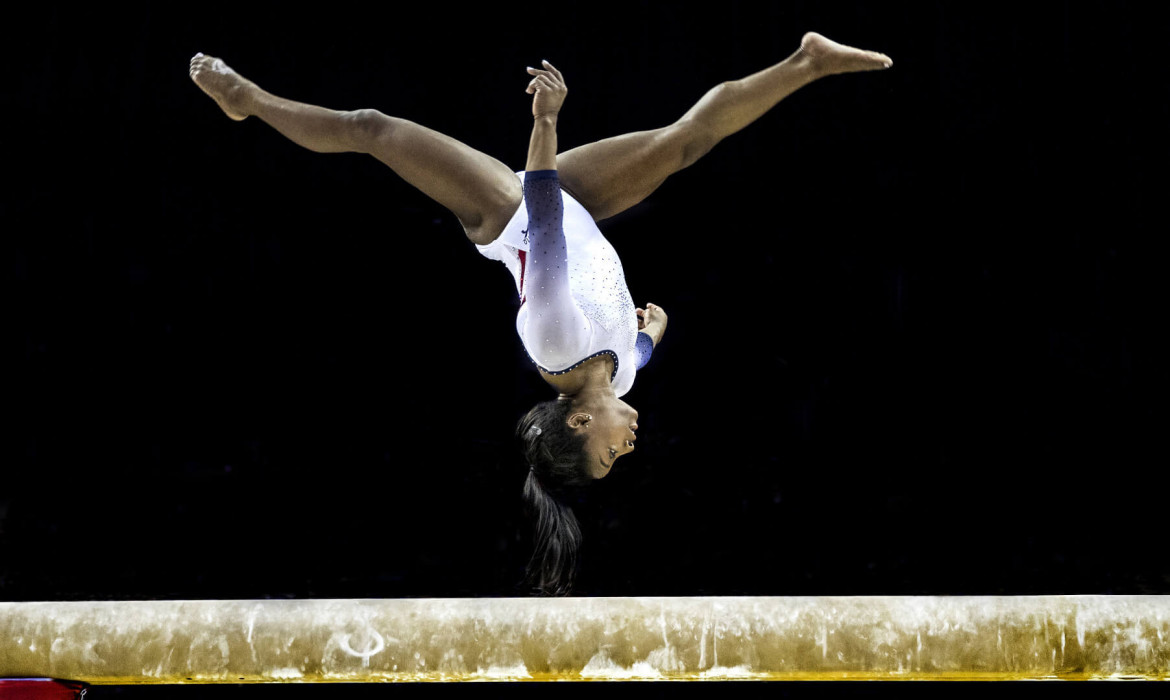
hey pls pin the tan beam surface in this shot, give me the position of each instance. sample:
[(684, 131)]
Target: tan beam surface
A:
[(261, 641)]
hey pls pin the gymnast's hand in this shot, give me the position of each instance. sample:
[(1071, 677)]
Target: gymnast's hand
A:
[(652, 321), (549, 89)]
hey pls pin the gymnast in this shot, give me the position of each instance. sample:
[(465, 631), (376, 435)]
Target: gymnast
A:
[(577, 320)]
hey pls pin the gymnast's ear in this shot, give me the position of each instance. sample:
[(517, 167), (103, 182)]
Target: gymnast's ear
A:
[(579, 420)]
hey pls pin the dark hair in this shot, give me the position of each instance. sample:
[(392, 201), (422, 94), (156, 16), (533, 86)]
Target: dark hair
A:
[(557, 468)]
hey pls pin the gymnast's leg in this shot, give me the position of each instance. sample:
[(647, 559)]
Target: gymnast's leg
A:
[(613, 175), (480, 190)]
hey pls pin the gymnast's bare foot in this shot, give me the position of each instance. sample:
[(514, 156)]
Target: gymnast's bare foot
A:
[(227, 87), (827, 57)]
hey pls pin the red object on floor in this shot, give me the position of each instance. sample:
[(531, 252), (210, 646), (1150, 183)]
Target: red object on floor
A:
[(40, 689)]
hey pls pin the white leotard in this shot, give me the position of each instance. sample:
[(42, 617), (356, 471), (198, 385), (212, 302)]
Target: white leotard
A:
[(570, 311)]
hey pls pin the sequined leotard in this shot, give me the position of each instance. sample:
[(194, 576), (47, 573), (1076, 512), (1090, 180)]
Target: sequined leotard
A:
[(574, 301)]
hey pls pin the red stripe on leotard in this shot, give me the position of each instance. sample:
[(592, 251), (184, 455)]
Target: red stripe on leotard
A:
[(523, 259)]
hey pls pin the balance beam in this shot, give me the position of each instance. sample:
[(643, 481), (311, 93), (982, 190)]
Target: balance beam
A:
[(454, 639)]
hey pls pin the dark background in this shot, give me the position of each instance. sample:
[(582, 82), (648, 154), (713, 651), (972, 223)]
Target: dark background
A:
[(916, 316)]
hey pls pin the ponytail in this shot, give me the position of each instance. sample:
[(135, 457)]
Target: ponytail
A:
[(556, 468)]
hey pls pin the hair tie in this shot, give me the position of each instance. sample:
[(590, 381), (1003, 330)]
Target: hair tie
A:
[(534, 430)]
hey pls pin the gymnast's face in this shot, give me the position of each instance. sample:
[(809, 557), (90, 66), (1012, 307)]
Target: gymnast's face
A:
[(609, 426)]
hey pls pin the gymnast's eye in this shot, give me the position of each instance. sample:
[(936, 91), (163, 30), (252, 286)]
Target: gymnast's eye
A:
[(612, 453)]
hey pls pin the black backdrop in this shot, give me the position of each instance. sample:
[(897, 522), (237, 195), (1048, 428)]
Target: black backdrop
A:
[(915, 316)]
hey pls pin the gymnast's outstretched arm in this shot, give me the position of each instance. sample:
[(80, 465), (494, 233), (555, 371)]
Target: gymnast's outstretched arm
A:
[(556, 329)]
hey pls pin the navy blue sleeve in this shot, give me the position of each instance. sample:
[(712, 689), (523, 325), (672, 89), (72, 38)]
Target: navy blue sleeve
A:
[(643, 348), (556, 332)]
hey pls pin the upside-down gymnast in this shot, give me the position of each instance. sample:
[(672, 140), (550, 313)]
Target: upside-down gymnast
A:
[(577, 320)]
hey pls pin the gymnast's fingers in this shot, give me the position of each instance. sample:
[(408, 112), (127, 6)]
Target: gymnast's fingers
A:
[(553, 78), (552, 69), (539, 85)]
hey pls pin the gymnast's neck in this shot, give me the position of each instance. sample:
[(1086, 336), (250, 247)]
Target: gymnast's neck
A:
[(590, 379)]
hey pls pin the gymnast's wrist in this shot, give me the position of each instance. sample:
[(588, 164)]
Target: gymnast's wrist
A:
[(549, 118)]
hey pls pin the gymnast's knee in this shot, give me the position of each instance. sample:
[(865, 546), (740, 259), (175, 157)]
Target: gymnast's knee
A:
[(694, 138), (364, 128)]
